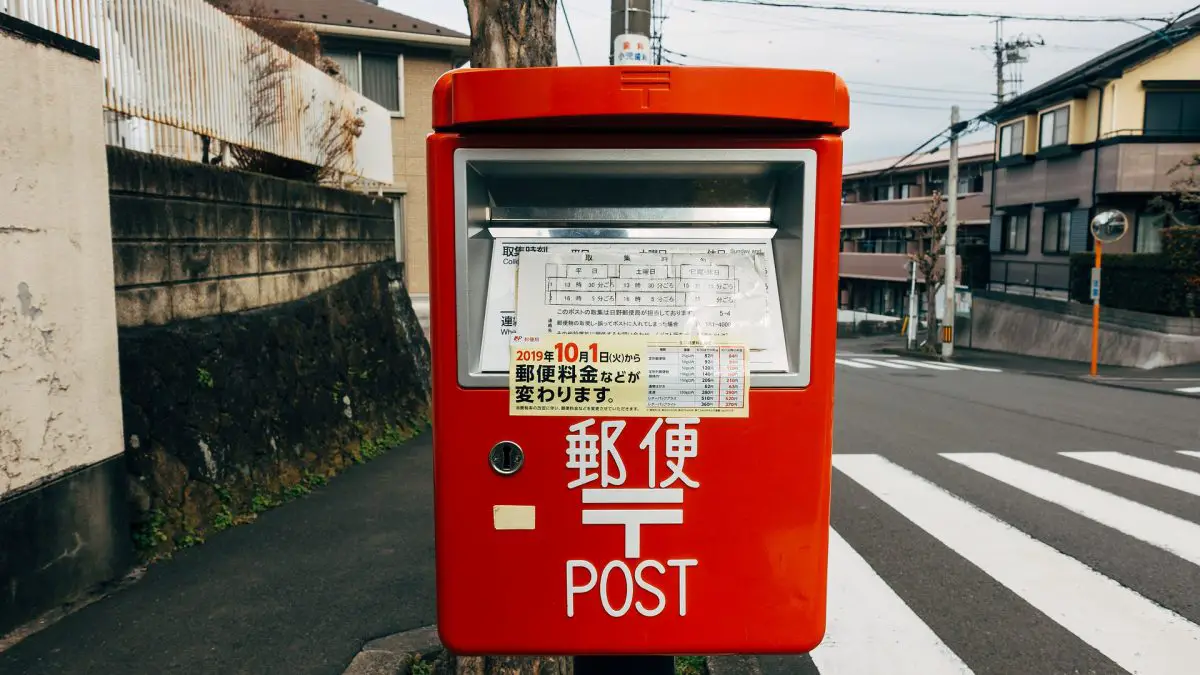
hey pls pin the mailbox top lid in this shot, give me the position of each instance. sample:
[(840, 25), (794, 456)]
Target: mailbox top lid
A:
[(627, 97)]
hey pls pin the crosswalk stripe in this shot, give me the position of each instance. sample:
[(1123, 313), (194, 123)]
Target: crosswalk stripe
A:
[(981, 369), (1169, 476), (852, 364), (1189, 390), (1170, 533), (1132, 631), (924, 364), (870, 629), (1191, 453), (890, 363)]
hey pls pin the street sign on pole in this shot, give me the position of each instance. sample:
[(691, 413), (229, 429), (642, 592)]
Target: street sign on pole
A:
[(1107, 227)]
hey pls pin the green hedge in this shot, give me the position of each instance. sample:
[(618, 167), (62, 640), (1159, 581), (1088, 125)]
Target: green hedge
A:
[(1159, 283)]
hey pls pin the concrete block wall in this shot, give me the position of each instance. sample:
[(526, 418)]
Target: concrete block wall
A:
[(191, 240)]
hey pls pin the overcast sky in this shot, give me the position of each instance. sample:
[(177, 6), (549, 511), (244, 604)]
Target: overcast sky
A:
[(904, 73)]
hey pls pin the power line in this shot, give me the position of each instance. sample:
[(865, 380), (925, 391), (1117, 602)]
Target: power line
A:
[(946, 14), (863, 83), (571, 32)]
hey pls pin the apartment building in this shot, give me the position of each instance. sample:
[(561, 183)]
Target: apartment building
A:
[(394, 60), (881, 200), (1100, 136)]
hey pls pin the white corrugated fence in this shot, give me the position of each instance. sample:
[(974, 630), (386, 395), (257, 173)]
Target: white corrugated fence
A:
[(179, 70)]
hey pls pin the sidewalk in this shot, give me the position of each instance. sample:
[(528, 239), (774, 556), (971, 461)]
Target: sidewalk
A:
[(1159, 380), (299, 591)]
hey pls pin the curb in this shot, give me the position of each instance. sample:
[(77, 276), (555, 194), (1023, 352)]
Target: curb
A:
[(895, 351), (396, 654)]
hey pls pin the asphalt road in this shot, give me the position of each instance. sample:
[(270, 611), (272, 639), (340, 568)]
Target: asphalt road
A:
[(963, 541), (985, 549)]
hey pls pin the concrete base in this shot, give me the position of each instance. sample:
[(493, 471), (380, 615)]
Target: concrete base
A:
[(61, 539), (1008, 327), (420, 303)]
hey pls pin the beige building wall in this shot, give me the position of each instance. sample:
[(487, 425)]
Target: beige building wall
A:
[(60, 405), (1125, 99), (421, 72)]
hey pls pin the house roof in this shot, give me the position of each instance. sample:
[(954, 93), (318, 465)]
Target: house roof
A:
[(967, 152), (1108, 66), (351, 14)]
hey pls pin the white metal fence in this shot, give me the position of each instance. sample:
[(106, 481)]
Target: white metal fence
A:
[(179, 70)]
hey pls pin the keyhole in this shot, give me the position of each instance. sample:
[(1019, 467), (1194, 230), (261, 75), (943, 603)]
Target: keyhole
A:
[(506, 458)]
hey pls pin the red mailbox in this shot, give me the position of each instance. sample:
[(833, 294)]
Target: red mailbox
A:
[(634, 284)]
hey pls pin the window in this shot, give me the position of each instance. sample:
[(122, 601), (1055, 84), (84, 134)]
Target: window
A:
[(1016, 233), (376, 76), (1054, 127), (883, 193), (1012, 139), (1148, 235), (1172, 113), (1056, 232), (970, 184)]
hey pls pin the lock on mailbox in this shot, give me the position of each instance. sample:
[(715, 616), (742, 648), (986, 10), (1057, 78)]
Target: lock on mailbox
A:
[(634, 279)]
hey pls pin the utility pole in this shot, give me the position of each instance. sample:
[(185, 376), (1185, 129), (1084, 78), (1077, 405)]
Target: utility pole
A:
[(951, 250), (629, 30), (1009, 53)]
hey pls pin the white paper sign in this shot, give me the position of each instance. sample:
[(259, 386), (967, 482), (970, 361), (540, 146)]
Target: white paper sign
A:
[(724, 291)]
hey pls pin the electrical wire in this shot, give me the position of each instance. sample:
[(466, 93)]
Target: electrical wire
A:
[(946, 14), (864, 83), (571, 31)]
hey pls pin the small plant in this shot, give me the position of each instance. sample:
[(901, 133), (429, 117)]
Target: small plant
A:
[(150, 534), (204, 378), (295, 491), (224, 519), (189, 540), (261, 502), (691, 665), (223, 494), (421, 667), (313, 480)]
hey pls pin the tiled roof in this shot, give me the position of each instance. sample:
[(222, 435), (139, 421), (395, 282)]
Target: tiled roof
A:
[(966, 152), (350, 13)]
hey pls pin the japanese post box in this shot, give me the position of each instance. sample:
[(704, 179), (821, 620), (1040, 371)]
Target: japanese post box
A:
[(633, 325)]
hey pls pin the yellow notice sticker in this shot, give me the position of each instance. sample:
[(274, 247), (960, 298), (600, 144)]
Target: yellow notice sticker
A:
[(627, 375)]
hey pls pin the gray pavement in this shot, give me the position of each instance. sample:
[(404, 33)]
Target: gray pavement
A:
[(297, 592)]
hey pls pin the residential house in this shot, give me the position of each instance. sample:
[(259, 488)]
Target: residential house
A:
[(881, 200), (394, 60), (1100, 136)]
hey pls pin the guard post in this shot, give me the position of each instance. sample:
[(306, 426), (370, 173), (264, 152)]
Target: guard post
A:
[(633, 323)]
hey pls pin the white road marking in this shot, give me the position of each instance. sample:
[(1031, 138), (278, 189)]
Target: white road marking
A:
[(1134, 632), (885, 364), (869, 628), (925, 364), (852, 364), (1189, 390), (1170, 533), (1169, 476), (1191, 453), (980, 369)]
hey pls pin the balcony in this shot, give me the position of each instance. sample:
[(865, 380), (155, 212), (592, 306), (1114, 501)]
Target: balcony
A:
[(972, 207), (1137, 165), (880, 266)]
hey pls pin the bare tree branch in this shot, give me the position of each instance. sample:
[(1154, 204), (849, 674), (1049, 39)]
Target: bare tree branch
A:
[(931, 244)]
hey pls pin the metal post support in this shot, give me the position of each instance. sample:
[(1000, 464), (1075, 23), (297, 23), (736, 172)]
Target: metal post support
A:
[(624, 665), (1096, 314)]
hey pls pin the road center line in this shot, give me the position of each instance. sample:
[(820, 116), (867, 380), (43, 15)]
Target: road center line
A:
[(1170, 533), (1134, 632), (870, 629), (1169, 476)]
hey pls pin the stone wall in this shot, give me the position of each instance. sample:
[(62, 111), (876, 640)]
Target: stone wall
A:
[(63, 523), (228, 415), (191, 240)]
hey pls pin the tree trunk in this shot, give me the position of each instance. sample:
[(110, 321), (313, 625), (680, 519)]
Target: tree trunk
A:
[(512, 33), (932, 334)]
